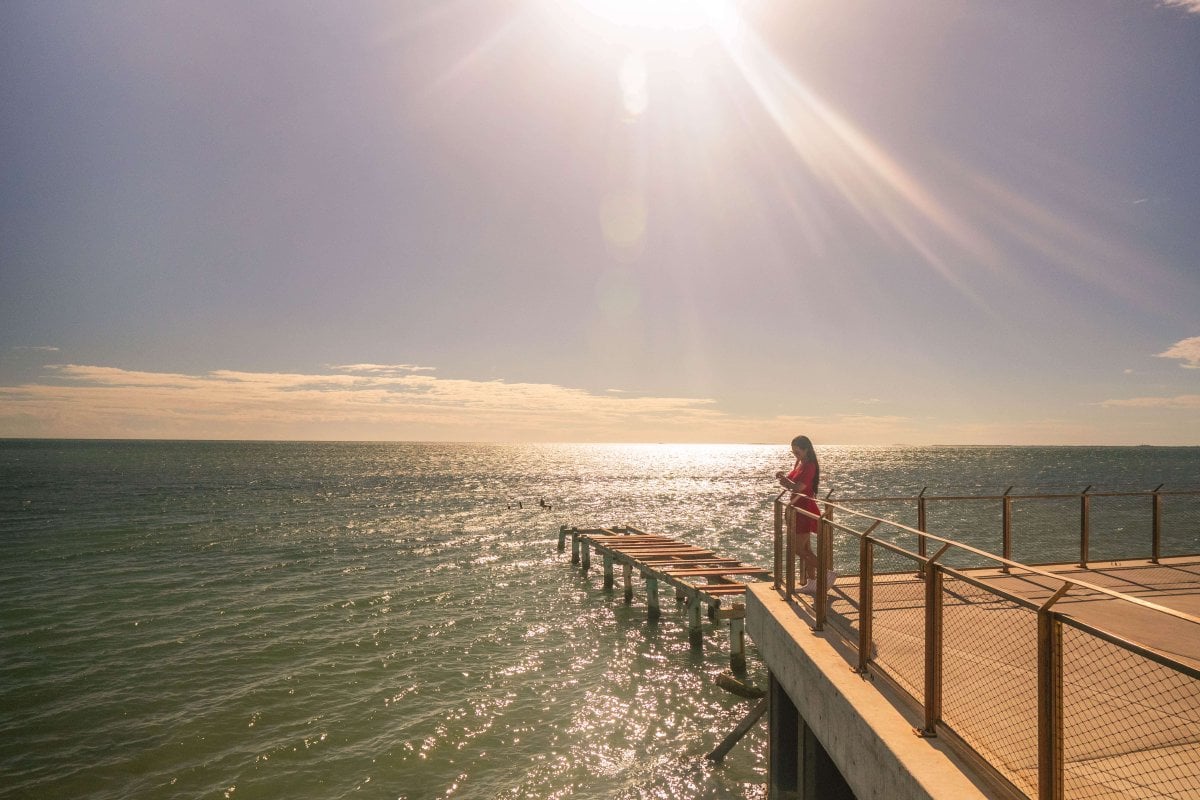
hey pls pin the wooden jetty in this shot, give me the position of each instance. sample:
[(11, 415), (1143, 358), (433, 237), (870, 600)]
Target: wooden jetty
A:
[(701, 578)]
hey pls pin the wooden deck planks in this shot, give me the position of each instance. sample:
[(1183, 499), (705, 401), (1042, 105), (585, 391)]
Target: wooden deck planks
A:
[(699, 576)]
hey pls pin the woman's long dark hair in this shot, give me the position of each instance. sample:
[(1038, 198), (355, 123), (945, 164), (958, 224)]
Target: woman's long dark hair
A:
[(805, 444)]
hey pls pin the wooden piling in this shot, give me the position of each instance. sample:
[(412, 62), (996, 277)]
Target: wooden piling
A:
[(737, 645), (695, 632)]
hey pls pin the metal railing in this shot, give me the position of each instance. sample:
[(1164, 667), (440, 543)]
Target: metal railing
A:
[(998, 656)]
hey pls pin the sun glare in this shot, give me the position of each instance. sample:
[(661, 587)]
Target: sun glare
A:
[(658, 21), (662, 15)]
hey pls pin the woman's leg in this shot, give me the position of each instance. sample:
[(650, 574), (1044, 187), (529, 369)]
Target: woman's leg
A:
[(808, 556)]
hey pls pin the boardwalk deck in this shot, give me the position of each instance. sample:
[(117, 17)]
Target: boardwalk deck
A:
[(700, 577)]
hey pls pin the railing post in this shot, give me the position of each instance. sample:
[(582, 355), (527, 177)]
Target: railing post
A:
[(1085, 526), (1006, 518), (789, 551), (1051, 784), (933, 646), (1156, 526), (866, 600), (922, 544), (824, 564), (778, 571)]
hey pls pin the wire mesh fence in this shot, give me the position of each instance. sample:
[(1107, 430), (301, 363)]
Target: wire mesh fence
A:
[(1029, 667), (1131, 725), (989, 686)]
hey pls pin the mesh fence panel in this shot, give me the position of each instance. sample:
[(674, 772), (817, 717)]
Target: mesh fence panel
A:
[(1045, 530), (1180, 525), (898, 625), (989, 678), (1121, 528), (844, 599), (1131, 726), (977, 522)]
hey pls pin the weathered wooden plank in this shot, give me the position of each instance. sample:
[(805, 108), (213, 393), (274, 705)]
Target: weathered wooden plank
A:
[(722, 588), (696, 573)]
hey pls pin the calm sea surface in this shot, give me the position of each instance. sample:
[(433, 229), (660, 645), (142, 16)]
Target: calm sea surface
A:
[(294, 620)]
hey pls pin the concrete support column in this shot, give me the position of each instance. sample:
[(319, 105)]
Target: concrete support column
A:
[(798, 765), (652, 610), (819, 776), (783, 756)]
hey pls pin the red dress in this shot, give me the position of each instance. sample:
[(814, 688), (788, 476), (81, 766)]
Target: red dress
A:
[(802, 476)]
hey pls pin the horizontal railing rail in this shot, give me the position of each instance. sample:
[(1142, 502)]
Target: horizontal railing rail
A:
[(1007, 502), (1051, 717)]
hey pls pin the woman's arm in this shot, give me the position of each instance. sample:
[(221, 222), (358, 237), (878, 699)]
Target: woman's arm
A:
[(801, 485)]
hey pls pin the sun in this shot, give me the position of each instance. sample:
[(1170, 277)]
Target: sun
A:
[(654, 15), (654, 24)]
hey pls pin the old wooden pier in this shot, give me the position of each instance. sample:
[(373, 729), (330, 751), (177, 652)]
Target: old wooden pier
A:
[(701, 578)]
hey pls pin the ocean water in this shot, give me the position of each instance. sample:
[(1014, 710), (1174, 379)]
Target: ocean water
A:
[(314, 620)]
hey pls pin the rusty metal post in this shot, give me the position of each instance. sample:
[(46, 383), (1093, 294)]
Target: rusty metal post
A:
[(1156, 527), (1085, 526), (824, 560), (933, 647), (922, 544), (933, 643), (866, 600), (789, 551), (1051, 784), (1006, 519), (778, 570)]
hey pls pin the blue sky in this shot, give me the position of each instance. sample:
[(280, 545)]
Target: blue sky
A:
[(578, 220)]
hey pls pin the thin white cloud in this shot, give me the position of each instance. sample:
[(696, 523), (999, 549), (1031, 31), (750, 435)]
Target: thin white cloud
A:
[(1183, 401), (1187, 350), (381, 368), (1191, 6), (34, 348)]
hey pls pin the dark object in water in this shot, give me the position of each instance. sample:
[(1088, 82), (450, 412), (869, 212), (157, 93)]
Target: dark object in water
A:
[(731, 684)]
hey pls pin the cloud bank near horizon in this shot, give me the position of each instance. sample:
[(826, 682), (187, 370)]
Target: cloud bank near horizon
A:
[(354, 401), (397, 402)]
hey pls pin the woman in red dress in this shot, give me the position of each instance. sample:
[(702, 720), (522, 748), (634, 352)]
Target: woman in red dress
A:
[(802, 482)]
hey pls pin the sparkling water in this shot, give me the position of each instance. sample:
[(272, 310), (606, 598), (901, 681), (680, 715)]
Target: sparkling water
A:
[(314, 620)]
